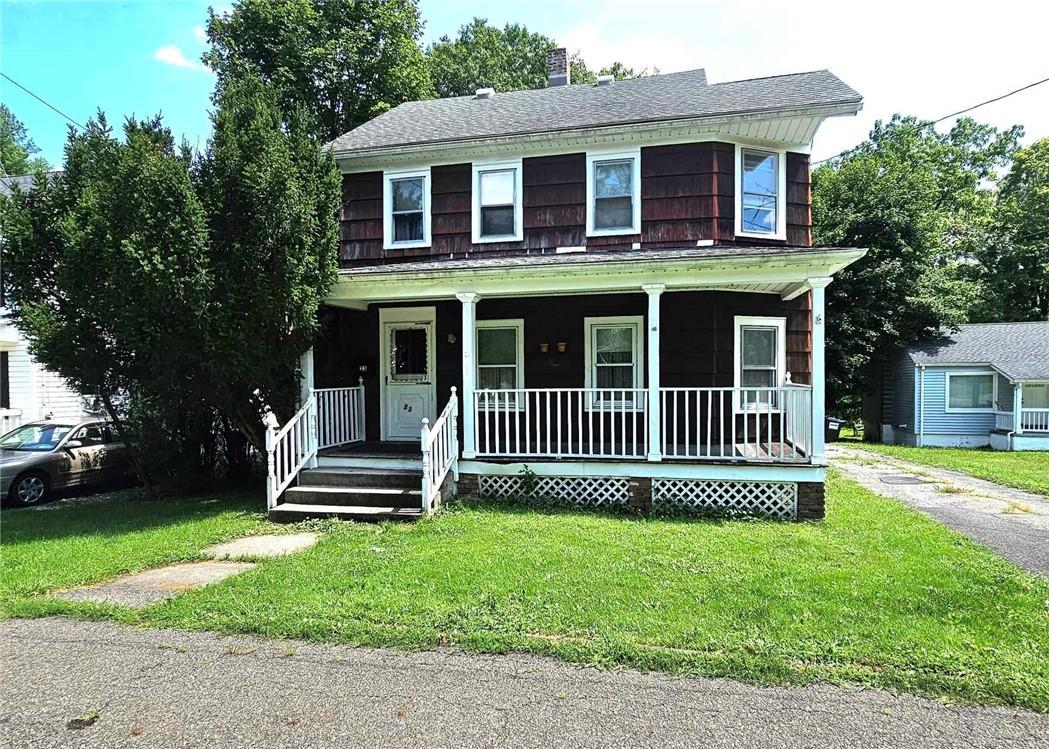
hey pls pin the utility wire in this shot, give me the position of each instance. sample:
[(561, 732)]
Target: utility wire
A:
[(43, 101), (948, 116)]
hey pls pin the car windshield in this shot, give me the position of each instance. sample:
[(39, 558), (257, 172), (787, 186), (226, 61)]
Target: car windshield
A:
[(36, 437)]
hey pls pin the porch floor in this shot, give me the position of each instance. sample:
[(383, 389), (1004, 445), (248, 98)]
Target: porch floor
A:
[(373, 449)]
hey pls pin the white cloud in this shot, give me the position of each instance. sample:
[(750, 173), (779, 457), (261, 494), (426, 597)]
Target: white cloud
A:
[(200, 34), (172, 55)]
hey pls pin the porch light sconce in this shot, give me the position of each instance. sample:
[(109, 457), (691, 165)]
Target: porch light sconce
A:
[(544, 348), (452, 338), (562, 347)]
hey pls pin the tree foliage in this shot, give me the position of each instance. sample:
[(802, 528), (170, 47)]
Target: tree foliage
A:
[(916, 199), (508, 59), (345, 61), (17, 149), (1014, 260)]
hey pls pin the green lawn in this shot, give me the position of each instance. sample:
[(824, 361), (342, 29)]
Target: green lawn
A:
[(1023, 470), (877, 594), (86, 540)]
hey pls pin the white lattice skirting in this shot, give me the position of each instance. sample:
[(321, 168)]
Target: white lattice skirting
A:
[(775, 499), (581, 491)]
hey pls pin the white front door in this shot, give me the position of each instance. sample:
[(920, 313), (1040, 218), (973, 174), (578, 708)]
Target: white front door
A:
[(408, 381)]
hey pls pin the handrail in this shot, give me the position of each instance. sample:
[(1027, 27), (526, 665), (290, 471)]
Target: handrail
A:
[(289, 448), (440, 449)]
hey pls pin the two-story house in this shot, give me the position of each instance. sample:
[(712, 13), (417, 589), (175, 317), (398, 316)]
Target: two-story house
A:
[(598, 293)]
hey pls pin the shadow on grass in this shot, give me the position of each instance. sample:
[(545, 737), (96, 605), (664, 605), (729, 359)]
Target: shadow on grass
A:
[(113, 514)]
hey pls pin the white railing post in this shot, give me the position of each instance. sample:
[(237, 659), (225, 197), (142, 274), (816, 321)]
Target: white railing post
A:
[(455, 434), (270, 422), (427, 467), (818, 449), (469, 300), (654, 291), (1018, 413)]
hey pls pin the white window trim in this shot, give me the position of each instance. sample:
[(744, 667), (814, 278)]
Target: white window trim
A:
[(518, 324), (591, 158), (745, 321), (968, 373), (781, 197), (475, 223), (590, 373), (387, 208)]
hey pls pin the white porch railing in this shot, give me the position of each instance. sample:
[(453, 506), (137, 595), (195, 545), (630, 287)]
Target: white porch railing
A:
[(561, 423), (9, 419), (340, 415), (289, 449), (1004, 420), (752, 424), (440, 448), (1034, 419)]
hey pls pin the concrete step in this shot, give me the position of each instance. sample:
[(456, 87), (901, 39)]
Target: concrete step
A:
[(346, 496), (290, 512), (366, 477)]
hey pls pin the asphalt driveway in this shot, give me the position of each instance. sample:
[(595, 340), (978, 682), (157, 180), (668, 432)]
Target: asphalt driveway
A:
[(1013, 522), (96, 684)]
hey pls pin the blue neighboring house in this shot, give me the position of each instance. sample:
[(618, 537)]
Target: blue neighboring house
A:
[(984, 384)]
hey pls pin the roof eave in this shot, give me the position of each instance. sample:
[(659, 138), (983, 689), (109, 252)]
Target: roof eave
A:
[(844, 107)]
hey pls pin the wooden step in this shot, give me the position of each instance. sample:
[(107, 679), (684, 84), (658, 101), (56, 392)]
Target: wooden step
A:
[(359, 496), (357, 477), (290, 512)]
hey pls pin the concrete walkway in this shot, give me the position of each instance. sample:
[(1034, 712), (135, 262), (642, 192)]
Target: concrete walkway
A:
[(1014, 523), (96, 684)]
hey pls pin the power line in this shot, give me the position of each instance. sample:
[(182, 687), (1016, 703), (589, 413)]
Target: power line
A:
[(43, 101), (949, 116)]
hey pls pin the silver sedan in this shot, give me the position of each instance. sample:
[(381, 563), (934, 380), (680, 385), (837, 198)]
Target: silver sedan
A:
[(43, 456)]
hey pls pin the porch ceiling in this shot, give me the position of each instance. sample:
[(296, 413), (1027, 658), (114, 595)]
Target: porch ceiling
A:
[(770, 270)]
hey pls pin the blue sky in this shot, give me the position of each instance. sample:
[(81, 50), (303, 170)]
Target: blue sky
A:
[(922, 58)]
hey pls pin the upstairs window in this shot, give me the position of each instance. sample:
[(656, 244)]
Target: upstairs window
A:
[(407, 209), (760, 361), (760, 184), (498, 207), (613, 190)]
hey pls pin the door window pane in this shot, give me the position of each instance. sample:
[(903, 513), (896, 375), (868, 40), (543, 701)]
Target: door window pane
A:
[(760, 191), (759, 347), (409, 353), (971, 391)]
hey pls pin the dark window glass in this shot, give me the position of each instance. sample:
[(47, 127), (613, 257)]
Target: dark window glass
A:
[(5, 381), (498, 221), (409, 353)]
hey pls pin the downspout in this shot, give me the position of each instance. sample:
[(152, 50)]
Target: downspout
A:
[(921, 406)]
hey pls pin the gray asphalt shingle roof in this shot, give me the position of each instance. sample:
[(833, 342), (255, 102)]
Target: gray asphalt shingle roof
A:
[(1020, 350), (655, 98)]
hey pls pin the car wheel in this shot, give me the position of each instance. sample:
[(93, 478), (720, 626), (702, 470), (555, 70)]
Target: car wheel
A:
[(31, 488)]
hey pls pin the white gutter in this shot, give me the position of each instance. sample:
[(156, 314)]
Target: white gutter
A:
[(921, 406)]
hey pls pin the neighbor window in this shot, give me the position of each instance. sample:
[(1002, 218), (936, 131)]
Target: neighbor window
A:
[(498, 208), (614, 361), (614, 193), (407, 209), (760, 360), (970, 391), (500, 360), (760, 186)]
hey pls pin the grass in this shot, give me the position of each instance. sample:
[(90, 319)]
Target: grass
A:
[(73, 543), (1022, 470), (877, 594)]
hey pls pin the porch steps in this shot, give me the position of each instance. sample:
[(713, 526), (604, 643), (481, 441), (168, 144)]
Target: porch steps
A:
[(365, 494)]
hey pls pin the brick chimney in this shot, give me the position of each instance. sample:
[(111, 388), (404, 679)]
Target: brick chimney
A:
[(559, 74)]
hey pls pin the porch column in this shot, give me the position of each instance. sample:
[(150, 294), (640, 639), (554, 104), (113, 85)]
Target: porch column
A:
[(819, 390), (1018, 406), (469, 300), (305, 393), (653, 290)]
